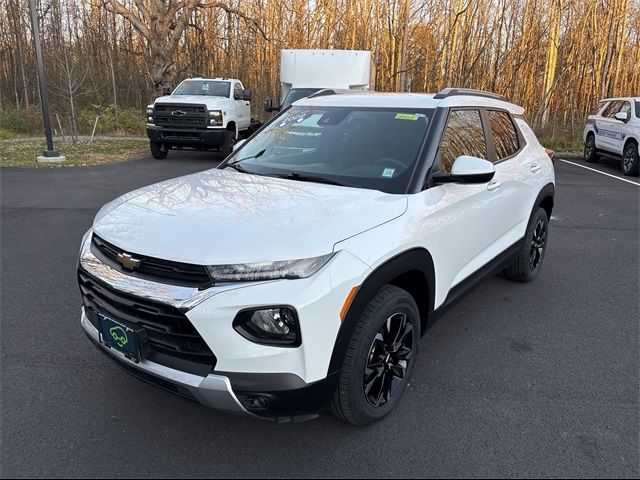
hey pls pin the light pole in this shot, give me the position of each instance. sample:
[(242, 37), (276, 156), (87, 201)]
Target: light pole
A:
[(50, 154)]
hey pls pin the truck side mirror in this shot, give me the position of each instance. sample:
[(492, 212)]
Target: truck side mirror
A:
[(268, 106), (166, 90), (246, 95)]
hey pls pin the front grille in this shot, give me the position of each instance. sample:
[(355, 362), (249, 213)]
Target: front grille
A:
[(167, 336), (155, 269), (176, 115)]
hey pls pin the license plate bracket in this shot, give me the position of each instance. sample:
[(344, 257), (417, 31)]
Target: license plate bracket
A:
[(119, 337)]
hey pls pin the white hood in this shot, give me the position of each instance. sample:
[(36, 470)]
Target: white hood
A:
[(223, 217)]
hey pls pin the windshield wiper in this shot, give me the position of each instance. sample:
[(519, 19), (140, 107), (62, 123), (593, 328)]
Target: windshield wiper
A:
[(303, 177), (237, 167), (259, 154)]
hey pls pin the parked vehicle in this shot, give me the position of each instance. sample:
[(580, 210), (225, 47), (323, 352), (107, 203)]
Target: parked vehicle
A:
[(303, 270), (614, 131), (304, 72), (201, 113)]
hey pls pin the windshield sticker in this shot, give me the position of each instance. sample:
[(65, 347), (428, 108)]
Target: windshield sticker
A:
[(407, 116), (388, 173), (205, 87)]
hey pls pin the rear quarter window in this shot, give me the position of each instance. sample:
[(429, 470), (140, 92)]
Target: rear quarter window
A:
[(598, 108)]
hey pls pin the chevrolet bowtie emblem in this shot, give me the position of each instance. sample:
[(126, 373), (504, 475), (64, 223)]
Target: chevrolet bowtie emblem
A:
[(127, 261), (178, 113)]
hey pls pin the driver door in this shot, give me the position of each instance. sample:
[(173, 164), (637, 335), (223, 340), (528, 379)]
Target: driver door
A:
[(243, 108)]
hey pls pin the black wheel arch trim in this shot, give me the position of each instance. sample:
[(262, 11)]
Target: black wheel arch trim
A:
[(417, 259), (545, 199)]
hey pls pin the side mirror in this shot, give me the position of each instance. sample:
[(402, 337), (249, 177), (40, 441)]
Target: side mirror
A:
[(268, 106), (246, 95), (467, 169), (622, 116), (166, 90), (238, 144)]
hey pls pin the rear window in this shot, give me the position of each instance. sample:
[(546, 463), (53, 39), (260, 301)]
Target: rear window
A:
[(638, 108)]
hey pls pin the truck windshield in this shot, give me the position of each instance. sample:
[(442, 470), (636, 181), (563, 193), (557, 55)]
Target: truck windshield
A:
[(209, 88), (296, 94), (359, 147)]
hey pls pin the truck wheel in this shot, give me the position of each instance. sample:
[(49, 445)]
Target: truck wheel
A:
[(630, 160), (158, 150), (590, 154), (227, 146), (379, 359)]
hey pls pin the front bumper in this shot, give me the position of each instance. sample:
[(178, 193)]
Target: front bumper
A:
[(213, 390), (175, 137), (289, 383)]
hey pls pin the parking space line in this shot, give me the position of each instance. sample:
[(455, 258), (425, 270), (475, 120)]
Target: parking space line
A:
[(603, 173)]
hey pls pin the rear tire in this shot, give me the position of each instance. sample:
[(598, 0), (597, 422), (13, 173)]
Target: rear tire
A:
[(158, 150), (526, 265), (590, 154), (630, 161), (379, 359)]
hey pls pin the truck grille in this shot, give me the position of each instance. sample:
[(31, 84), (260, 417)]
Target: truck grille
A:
[(168, 337), (177, 115), (154, 269)]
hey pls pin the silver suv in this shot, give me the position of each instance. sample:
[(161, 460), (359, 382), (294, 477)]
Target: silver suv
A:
[(614, 131)]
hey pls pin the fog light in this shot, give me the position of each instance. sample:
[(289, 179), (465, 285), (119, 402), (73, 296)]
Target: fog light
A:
[(150, 119), (269, 326)]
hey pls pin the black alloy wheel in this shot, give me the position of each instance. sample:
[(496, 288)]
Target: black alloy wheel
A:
[(538, 242), (388, 358)]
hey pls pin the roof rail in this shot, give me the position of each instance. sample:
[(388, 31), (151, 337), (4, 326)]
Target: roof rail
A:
[(323, 93), (452, 92)]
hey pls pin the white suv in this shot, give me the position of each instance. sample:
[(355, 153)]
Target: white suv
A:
[(614, 130), (302, 271)]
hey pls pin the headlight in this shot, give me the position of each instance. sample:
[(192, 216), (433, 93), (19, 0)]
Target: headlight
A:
[(286, 269), (215, 117), (149, 111)]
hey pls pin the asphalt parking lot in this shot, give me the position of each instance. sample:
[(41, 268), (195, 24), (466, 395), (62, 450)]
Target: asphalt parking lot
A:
[(541, 379)]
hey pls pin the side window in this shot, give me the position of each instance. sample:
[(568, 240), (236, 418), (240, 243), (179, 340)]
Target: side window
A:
[(504, 133), (612, 109), (237, 90), (596, 110), (463, 135)]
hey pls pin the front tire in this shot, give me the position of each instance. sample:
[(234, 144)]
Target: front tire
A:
[(630, 161), (158, 150), (526, 265), (590, 155), (227, 146), (379, 359)]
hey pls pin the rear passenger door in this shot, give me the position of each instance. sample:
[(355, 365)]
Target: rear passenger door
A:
[(512, 178), (469, 213)]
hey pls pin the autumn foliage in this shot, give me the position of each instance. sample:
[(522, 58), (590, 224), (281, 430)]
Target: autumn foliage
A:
[(555, 57)]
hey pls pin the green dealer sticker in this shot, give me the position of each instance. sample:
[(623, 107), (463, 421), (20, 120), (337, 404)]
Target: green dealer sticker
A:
[(407, 116)]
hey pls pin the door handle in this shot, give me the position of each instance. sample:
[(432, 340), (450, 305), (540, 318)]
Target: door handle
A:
[(535, 168), (493, 186)]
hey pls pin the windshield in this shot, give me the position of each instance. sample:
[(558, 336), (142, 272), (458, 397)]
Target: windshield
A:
[(296, 94), (359, 147), (209, 88)]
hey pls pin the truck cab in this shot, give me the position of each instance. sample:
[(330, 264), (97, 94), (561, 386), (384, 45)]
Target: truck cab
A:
[(305, 72), (201, 113)]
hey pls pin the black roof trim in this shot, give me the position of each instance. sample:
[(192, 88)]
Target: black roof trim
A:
[(452, 92)]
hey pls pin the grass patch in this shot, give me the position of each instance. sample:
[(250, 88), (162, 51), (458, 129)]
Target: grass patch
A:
[(23, 153), (562, 144)]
